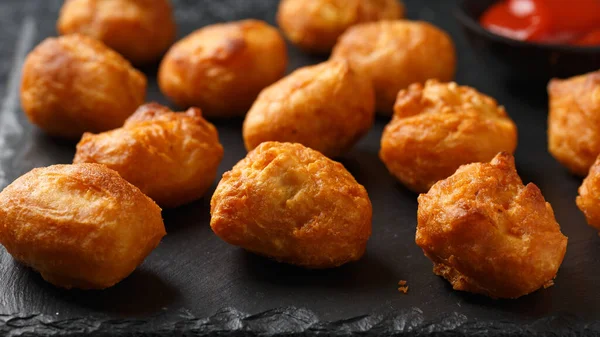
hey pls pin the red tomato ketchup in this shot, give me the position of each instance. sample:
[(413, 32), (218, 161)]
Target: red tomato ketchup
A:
[(575, 22)]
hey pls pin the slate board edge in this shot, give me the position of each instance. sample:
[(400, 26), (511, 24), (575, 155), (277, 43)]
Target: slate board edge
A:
[(290, 321)]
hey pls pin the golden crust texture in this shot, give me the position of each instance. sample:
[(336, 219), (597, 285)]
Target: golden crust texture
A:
[(589, 194), (293, 204), (487, 233), (73, 84), (574, 121), (440, 126), (80, 226), (172, 157), (327, 107), (221, 68), (140, 30), (395, 54), (315, 25)]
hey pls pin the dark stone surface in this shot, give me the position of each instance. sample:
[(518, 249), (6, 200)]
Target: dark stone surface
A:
[(292, 321), (186, 282)]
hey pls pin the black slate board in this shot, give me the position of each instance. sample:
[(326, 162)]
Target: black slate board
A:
[(195, 284)]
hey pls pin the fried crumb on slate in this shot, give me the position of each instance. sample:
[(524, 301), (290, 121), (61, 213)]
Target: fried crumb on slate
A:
[(403, 288)]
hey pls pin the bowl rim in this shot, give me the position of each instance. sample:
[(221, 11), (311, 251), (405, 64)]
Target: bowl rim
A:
[(473, 25)]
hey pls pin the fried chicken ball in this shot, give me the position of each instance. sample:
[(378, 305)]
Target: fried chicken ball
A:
[(140, 30), (327, 107), (574, 121), (395, 54), (172, 157), (489, 234), (293, 204), (221, 68), (79, 226), (589, 194), (73, 84), (440, 126), (315, 25)]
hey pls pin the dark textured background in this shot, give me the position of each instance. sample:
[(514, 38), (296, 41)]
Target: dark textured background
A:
[(194, 283)]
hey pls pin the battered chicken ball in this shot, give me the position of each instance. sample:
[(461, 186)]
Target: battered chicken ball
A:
[(293, 204), (574, 121), (395, 54), (140, 30), (172, 157), (327, 107), (589, 194), (80, 226), (440, 126), (487, 233), (221, 68), (315, 25), (74, 84)]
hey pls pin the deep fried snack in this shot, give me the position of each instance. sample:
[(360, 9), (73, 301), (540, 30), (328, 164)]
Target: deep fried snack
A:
[(487, 233), (574, 121), (315, 25), (73, 84), (140, 30), (589, 194), (440, 126), (395, 54), (172, 157), (80, 226), (327, 107), (221, 68), (293, 204)]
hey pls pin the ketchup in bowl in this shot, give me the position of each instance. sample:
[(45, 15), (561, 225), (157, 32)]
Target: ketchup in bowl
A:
[(574, 22)]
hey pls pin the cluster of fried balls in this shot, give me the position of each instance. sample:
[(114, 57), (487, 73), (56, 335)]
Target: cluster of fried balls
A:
[(90, 224)]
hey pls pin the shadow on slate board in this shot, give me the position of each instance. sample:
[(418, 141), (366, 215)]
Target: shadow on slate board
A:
[(193, 283)]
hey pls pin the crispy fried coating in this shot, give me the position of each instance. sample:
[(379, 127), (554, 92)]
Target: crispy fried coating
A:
[(315, 25), (589, 194), (327, 107), (140, 30), (574, 121), (487, 233), (73, 84), (440, 126), (80, 226), (293, 204), (172, 157), (395, 54), (221, 68)]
